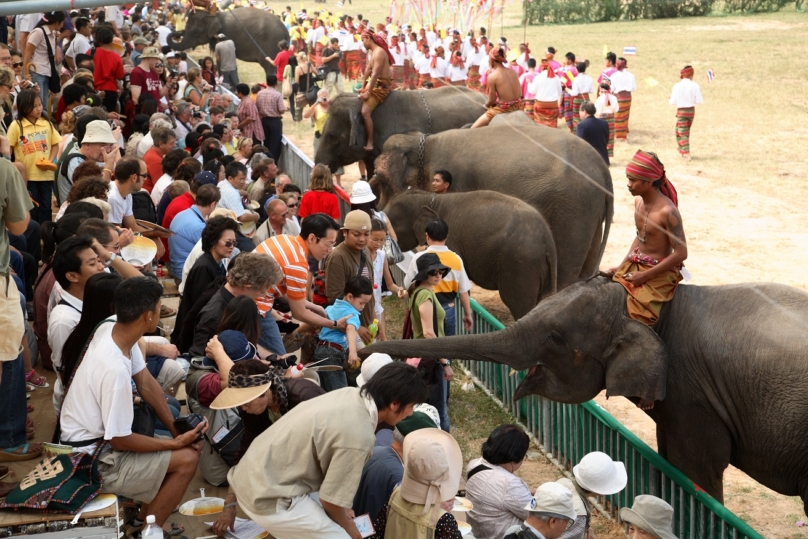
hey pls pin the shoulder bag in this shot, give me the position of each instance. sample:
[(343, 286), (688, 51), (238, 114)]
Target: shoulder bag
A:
[(430, 369), (312, 89), (286, 87), (54, 84)]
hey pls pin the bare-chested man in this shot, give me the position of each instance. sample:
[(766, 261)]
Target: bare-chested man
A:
[(651, 270), (378, 80), (504, 90)]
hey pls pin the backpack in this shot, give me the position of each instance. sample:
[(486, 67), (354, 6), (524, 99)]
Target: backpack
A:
[(143, 207), (60, 176)]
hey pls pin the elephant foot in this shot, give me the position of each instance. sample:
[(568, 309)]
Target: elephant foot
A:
[(645, 404)]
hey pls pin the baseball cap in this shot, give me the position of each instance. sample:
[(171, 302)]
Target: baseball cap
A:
[(553, 500), (357, 220), (98, 132), (235, 345), (206, 178)]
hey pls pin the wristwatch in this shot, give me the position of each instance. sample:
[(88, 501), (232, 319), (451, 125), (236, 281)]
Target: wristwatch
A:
[(112, 257), (335, 324)]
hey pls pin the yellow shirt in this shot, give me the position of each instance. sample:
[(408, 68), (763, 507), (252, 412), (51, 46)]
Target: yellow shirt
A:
[(320, 116), (33, 144)]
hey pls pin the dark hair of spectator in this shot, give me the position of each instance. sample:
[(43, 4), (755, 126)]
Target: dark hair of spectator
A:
[(291, 188), (103, 36), (87, 169), (88, 187), (234, 168), (136, 296), (397, 383), (85, 209), (214, 229), (172, 161), (188, 168), (140, 124), (318, 224), (445, 175), (358, 286), (241, 314), (377, 225), (98, 229), (67, 259), (126, 168), (207, 195), (437, 229), (507, 443), (72, 93)]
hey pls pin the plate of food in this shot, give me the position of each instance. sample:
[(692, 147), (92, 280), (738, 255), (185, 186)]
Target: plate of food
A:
[(140, 252), (462, 504), (464, 527), (202, 506)]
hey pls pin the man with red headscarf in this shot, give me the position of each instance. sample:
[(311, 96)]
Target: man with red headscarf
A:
[(438, 68), (623, 87), (504, 90), (686, 95), (475, 59), (652, 268), (546, 88), (400, 57), (378, 80)]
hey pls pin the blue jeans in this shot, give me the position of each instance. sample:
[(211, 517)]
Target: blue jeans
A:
[(437, 398), (42, 192), (331, 380), (12, 402), (271, 336), (44, 92), (29, 241), (449, 323)]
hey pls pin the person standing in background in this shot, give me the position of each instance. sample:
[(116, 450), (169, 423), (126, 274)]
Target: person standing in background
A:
[(686, 94), (226, 59), (623, 87)]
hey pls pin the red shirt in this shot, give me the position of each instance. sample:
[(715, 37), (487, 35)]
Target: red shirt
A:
[(319, 202), (148, 81), (181, 203), (154, 164), (108, 70), (281, 61)]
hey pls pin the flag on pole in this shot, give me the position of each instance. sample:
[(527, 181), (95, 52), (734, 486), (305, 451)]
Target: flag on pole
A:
[(629, 51), (339, 4), (605, 50), (710, 75), (651, 82)]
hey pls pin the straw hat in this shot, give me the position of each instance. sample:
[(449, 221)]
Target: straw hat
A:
[(241, 389), (432, 468), (598, 473), (650, 514), (150, 52)]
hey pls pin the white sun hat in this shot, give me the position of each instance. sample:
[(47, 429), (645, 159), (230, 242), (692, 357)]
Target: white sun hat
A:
[(598, 473), (362, 193)]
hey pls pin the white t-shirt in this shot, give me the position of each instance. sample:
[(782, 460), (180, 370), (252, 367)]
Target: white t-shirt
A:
[(121, 207), (99, 403), (160, 187), (62, 320), (162, 35), (582, 84), (114, 14), (544, 88), (79, 45)]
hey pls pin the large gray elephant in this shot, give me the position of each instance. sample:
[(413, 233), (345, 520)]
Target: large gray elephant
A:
[(557, 173), (728, 366), (523, 275), (425, 111), (237, 24)]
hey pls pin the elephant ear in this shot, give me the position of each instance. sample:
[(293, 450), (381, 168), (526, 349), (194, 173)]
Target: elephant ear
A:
[(636, 363), (425, 214), (214, 26), (357, 140)]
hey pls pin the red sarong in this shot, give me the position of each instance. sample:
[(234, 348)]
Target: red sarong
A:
[(399, 77), (353, 64), (528, 107), (684, 119), (422, 78), (621, 116), (546, 113), (644, 302), (577, 101), (473, 80), (438, 83)]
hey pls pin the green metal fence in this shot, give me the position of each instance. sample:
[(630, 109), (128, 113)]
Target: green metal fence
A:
[(570, 431)]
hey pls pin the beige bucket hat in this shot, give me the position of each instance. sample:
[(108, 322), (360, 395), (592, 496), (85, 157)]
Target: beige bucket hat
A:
[(650, 514)]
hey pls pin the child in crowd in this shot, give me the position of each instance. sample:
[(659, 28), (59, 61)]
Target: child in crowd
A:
[(331, 349), (381, 268)]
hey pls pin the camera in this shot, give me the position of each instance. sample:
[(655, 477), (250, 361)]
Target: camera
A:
[(196, 114), (187, 423)]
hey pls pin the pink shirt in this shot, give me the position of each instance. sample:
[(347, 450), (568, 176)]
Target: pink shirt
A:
[(525, 81)]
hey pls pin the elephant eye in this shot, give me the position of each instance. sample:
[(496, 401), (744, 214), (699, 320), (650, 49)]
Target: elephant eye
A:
[(555, 339)]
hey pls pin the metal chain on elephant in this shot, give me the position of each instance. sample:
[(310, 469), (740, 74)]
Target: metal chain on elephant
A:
[(421, 155), (428, 112)]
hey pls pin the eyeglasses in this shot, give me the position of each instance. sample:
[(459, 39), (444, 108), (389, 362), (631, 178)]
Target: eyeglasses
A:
[(110, 247), (142, 175), (159, 65), (16, 64), (434, 273), (292, 205), (328, 244), (229, 243)]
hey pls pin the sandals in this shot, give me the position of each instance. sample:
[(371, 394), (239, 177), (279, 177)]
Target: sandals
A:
[(30, 408), (10, 454), (36, 380)]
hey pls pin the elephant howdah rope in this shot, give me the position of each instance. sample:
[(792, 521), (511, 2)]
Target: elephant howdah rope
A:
[(248, 34)]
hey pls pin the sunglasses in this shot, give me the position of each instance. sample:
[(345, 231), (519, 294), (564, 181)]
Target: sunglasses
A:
[(292, 205), (434, 273), (159, 65), (229, 243), (16, 64)]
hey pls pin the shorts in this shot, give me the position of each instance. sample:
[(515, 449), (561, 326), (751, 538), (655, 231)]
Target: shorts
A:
[(171, 373), (135, 475)]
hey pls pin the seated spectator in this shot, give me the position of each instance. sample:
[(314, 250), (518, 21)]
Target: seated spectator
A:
[(97, 144), (321, 197), (75, 261), (158, 119), (336, 347), (186, 171), (94, 187), (419, 507), (187, 226), (292, 202), (263, 174), (185, 200), (140, 127), (236, 181), (383, 472), (170, 164), (252, 275), (278, 222), (261, 395), (649, 517), (549, 514), (73, 95), (164, 141), (151, 470), (499, 496), (244, 149), (216, 244)]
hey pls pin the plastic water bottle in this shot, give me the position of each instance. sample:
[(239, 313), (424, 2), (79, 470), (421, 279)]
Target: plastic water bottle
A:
[(374, 328), (152, 530)]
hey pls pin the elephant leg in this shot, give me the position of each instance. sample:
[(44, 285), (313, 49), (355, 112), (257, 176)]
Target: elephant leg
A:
[(371, 169), (704, 460), (593, 256), (519, 295)]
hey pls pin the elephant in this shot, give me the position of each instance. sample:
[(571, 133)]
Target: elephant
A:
[(237, 24), (557, 173), (523, 276), (427, 111), (727, 364)]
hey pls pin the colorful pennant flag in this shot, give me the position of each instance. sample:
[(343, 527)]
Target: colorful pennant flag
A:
[(651, 82), (629, 51), (710, 75)]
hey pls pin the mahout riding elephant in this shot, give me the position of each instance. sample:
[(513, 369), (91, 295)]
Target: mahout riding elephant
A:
[(515, 256), (557, 173), (237, 24), (728, 366), (425, 111)]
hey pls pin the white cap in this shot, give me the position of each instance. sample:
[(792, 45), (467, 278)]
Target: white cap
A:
[(98, 132), (554, 500), (371, 366), (362, 193), (598, 473)]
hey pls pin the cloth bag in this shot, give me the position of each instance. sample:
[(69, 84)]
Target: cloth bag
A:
[(286, 87)]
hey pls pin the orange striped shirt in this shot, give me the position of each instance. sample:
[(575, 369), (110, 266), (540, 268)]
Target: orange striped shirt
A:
[(292, 256)]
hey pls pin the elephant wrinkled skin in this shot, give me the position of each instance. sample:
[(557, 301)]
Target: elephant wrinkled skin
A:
[(523, 275), (343, 135), (237, 24), (728, 365), (557, 173)]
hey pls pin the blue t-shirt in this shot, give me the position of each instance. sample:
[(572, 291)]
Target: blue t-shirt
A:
[(339, 309)]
